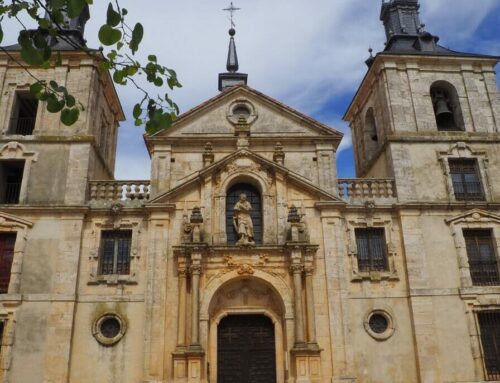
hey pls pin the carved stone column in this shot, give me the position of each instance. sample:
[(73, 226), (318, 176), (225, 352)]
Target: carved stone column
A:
[(296, 270), (195, 270), (311, 316), (181, 326)]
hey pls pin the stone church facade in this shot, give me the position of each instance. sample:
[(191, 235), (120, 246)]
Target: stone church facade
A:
[(389, 277)]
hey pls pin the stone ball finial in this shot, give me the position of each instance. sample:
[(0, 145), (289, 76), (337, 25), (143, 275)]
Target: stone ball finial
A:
[(232, 32)]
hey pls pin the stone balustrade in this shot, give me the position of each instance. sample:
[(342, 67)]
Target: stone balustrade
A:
[(367, 188), (110, 191)]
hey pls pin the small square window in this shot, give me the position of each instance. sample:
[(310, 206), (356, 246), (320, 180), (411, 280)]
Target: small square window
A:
[(7, 243), (489, 325), (115, 252), (23, 116), (466, 180), (482, 257), (11, 177), (372, 254)]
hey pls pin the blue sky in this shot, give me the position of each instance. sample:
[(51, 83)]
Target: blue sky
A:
[(307, 54)]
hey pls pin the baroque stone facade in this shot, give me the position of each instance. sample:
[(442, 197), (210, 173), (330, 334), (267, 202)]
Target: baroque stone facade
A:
[(368, 280)]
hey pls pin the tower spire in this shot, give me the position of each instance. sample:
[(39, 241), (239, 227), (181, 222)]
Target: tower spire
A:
[(232, 77)]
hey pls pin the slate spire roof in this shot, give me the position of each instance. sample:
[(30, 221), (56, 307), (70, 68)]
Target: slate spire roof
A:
[(406, 34), (232, 77)]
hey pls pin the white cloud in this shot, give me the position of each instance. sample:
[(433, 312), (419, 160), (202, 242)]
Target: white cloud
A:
[(303, 53)]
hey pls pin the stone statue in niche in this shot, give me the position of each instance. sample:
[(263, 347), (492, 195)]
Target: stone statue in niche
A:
[(243, 221)]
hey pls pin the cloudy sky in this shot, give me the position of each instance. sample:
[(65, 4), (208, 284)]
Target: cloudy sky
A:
[(307, 54)]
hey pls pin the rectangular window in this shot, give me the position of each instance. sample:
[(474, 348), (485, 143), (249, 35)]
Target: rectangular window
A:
[(115, 252), (23, 116), (7, 243), (482, 257), (466, 180), (489, 325), (11, 177), (372, 255)]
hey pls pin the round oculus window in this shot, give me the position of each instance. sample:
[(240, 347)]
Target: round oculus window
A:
[(378, 323), (109, 329), (241, 111)]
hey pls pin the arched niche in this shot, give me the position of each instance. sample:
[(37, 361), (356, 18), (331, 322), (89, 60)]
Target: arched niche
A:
[(446, 105), (262, 181), (370, 133), (253, 196)]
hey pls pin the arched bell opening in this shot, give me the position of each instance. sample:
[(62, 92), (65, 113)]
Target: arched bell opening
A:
[(447, 108), (370, 134)]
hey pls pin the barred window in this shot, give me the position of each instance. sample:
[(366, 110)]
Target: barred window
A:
[(372, 255), (483, 263), (466, 180), (115, 252), (489, 325), (7, 243)]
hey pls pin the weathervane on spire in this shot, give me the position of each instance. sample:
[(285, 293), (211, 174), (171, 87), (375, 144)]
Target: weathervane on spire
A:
[(232, 9)]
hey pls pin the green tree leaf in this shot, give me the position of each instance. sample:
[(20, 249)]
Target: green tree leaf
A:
[(75, 7), (54, 105), (37, 89), (69, 116), (113, 18), (137, 35), (109, 36), (137, 111)]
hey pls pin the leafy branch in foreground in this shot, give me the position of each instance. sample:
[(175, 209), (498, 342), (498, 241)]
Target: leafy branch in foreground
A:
[(38, 49)]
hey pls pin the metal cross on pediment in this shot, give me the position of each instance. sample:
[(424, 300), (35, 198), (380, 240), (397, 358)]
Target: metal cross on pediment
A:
[(231, 9)]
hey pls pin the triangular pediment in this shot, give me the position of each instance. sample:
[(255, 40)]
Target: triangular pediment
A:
[(270, 118), (249, 163), (9, 220), (474, 216)]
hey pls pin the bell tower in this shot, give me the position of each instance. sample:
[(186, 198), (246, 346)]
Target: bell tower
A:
[(43, 161), (420, 107)]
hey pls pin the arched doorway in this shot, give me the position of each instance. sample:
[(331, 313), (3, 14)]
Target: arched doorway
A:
[(246, 305), (246, 351)]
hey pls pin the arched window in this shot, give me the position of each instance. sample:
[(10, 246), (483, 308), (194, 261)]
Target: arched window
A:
[(370, 133), (446, 106), (253, 196)]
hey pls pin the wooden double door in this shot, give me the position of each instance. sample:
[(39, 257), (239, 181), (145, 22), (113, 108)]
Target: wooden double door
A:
[(246, 351)]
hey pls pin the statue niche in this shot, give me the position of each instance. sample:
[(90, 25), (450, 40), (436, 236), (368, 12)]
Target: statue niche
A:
[(243, 215)]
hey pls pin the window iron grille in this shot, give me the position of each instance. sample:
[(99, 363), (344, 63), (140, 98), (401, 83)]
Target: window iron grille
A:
[(482, 257), (489, 325), (372, 253), (7, 243), (466, 180), (115, 252)]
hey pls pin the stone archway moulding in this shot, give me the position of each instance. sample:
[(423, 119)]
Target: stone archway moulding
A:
[(277, 284)]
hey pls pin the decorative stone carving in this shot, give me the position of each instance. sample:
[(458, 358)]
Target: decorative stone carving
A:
[(243, 221), (246, 270), (279, 154), (208, 154), (192, 228), (297, 231)]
